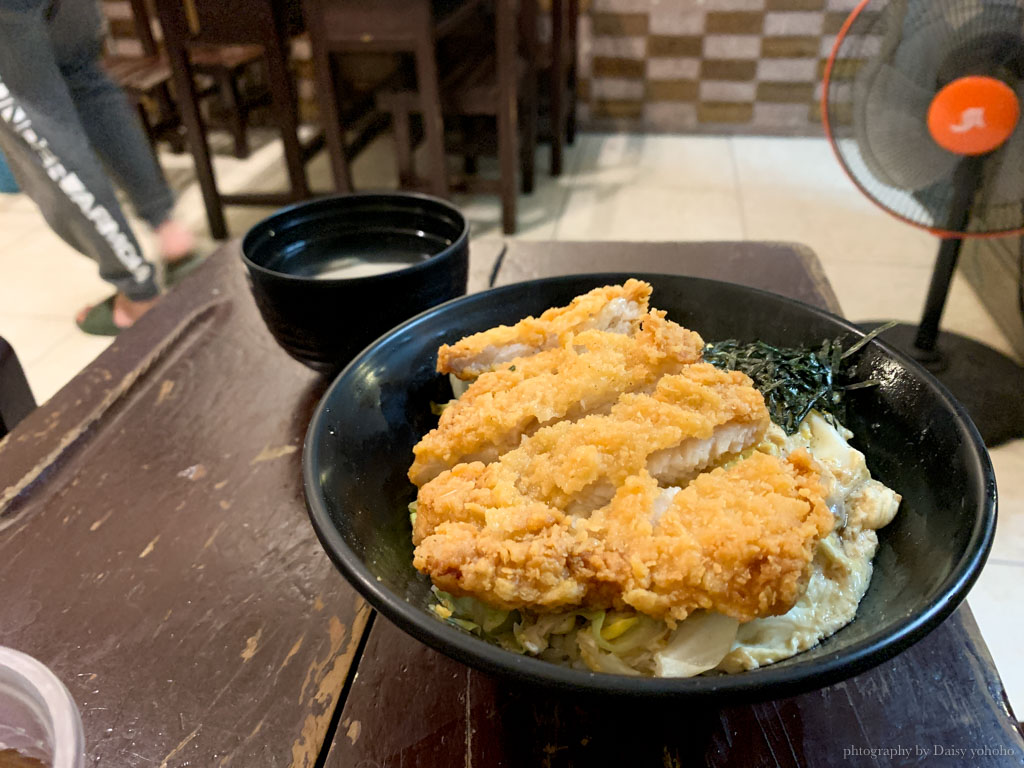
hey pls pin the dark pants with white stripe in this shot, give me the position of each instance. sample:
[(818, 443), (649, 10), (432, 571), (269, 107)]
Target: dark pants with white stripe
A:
[(64, 126)]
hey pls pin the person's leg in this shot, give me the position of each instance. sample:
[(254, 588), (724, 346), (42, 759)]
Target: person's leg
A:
[(112, 126), (51, 157)]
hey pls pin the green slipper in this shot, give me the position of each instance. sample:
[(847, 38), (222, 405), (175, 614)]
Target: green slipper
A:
[(99, 320)]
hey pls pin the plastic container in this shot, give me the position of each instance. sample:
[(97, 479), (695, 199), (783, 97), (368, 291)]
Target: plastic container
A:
[(38, 717)]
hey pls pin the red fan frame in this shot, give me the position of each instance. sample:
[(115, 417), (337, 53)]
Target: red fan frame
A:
[(826, 82)]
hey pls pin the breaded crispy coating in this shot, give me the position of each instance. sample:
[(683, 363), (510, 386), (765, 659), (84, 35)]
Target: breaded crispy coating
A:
[(579, 470), (738, 541), (613, 308), (586, 376)]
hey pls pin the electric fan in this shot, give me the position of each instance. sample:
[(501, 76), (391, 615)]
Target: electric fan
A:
[(921, 103)]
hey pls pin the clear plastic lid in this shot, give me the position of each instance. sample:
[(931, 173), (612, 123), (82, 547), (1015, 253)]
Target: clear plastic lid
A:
[(38, 717)]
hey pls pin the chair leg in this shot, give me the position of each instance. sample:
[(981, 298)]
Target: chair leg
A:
[(528, 150), (433, 121), (574, 22), (403, 147), (330, 118), (185, 88), (557, 84), (279, 80), (507, 140), (147, 125), (228, 86)]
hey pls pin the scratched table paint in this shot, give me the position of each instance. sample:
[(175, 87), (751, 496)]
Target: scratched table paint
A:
[(155, 553)]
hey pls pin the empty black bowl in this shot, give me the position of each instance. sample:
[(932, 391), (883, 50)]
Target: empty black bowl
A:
[(917, 439), (311, 270)]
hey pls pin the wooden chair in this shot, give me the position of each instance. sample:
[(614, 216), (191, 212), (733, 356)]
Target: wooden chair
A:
[(411, 27), (226, 64), (145, 79), (499, 84), (191, 24), (16, 401)]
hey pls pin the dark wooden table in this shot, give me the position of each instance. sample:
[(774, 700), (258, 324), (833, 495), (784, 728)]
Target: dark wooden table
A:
[(155, 553)]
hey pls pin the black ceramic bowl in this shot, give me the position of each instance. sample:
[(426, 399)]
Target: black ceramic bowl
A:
[(309, 263), (917, 439)]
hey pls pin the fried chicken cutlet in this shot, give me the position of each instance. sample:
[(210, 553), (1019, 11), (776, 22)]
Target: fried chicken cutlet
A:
[(577, 470), (613, 308), (575, 516), (563, 383), (738, 541)]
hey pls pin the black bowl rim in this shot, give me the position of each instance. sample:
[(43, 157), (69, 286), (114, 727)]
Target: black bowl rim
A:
[(393, 197), (764, 683)]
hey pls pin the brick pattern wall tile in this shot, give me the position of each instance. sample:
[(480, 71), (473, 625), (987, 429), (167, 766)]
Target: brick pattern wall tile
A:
[(670, 115), (724, 90), (732, 46), (794, 23), (616, 89), (672, 18), (788, 70), (681, 68), (745, 65)]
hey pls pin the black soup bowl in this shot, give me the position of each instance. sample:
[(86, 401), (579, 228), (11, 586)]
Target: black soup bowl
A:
[(332, 274), (916, 437)]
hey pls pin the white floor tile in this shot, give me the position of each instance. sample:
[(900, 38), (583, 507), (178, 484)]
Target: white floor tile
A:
[(800, 164), (33, 336), (1009, 464), (791, 191), (633, 212), (995, 601), (63, 362), (42, 275), (688, 162)]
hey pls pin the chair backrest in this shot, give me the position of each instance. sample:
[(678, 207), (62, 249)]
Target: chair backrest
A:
[(219, 22), (141, 31), (367, 21), (143, 22)]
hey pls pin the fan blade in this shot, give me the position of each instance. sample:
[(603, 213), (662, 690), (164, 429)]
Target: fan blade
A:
[(891, 128), (1004, 172)]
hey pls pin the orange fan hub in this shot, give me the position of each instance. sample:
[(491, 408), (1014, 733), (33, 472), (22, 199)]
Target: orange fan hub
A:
[(973, 115)]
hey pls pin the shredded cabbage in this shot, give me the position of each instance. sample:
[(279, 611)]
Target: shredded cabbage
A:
[(697, 645)]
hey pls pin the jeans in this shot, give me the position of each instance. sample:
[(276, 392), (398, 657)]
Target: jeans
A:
[(67, 129)]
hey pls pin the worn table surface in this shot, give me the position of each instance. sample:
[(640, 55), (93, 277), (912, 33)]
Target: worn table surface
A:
[(155, 553)]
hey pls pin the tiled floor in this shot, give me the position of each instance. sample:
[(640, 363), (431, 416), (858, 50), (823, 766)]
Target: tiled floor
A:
[(624, 187)]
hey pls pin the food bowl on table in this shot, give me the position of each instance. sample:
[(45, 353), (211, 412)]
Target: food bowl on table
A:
[(332, 274), (917, 439)]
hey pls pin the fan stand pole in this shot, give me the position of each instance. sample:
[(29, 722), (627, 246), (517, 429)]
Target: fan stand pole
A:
[(966, 178), (986, 382)]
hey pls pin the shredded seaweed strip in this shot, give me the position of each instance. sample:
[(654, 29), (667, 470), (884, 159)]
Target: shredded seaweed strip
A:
[(794, 380)]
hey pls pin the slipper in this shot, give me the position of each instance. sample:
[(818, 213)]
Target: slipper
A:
[(177, 271), (99, 320)]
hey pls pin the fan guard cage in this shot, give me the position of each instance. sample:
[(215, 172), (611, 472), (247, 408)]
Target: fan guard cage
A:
[(889, 59)]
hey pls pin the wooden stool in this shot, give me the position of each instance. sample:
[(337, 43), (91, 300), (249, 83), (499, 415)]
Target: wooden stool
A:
[(501, 85), (389, 26), (145, 79), (262, 23)]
